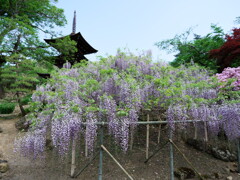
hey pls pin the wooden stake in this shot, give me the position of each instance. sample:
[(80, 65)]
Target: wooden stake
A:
[(238, 148), (171, 155), (195, 131), (199, 175), (131, 138), (86, 149), (205, 131), (100, 168), (73, 164), (159, 133), (105, 149), (159, 130), (147, 137), (86, 165)]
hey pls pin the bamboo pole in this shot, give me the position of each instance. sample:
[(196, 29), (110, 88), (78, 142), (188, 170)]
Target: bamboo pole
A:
[(105, 149), (86, 149), (159, 130), (159, 133), (100, 170), (140, 123), (150, 122), (171, 156), (156, 151), (199, 175), (238, 147), (195, 131), (131, 138), (73, 163), (86, 165), (205, 131), (147, 137)]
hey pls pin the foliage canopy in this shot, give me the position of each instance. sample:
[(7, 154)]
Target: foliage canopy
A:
[(228, 55), (20, 24), (196, 50)]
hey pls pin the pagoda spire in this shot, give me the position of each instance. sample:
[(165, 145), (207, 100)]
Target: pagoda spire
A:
[(74, 24), (83, 48)]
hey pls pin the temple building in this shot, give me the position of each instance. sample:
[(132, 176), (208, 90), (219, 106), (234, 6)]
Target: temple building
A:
[(83, 47)]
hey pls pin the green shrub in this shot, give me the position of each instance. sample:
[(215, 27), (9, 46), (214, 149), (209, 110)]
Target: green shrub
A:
[(25, 100), (7, 108), (27, 110)]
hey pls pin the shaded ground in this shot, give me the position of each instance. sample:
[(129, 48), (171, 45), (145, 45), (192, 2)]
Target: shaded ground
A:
[(52, 168)]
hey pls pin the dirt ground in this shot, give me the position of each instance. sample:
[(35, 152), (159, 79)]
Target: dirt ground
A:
[(53, 168)]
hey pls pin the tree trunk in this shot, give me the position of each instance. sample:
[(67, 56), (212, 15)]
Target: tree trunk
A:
[(2, 93), (20, 105)]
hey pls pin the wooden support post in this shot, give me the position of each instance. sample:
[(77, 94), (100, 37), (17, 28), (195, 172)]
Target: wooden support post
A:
[(100, 168), (105, 149), (131, 138), (195, 130), (190, 164), (205, 131), (159, 130), (156, 151), (147, 137), (86, 149), (171, 155), (238, 147), (73, 164), (86, 165)]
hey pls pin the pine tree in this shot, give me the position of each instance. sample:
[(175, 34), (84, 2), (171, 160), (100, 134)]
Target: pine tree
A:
[(19, 77)]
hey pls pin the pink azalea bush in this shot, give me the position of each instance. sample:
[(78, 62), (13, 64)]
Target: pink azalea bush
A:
[(231, 73)]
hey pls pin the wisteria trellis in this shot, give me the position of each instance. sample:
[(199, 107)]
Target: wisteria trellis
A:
[(116, 89)]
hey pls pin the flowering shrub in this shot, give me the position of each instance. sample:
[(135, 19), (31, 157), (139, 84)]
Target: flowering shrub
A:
[(229, 73)]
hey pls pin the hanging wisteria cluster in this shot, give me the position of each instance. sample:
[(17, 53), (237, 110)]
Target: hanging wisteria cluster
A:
[(115, 90)]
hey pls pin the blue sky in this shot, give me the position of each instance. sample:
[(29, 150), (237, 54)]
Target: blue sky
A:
[(137, 24)]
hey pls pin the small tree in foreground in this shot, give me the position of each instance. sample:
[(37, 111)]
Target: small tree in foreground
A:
[(19, 78)]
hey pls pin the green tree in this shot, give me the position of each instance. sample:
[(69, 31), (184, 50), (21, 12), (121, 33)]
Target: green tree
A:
[(196, 50), (19, 77), (20, 24)]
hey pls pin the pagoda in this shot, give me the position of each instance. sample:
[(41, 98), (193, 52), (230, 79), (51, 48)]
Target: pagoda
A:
[(83, 47)]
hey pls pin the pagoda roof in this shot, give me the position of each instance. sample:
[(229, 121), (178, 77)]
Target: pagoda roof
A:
[(82, 45)]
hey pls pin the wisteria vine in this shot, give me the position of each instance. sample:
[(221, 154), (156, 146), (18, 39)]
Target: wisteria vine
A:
[(116, 90)]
